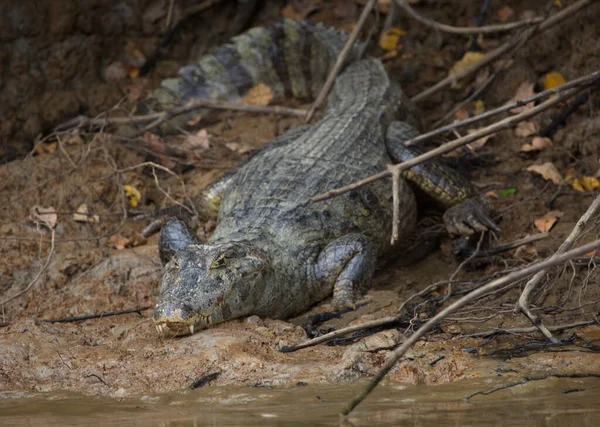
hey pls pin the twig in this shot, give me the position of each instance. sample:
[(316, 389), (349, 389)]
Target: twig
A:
[(502, 49), (39, 274), (525, 298), (510, 278), (445, 148), (511, 245), (539, 96), (486, 29), (158, 118), (529, 330), (528, 379), (396, 201), (201, 382), (340, 332), (341, 59), (97, 316)]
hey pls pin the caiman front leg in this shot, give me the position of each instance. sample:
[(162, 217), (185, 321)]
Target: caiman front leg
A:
[(467, 211), (347, 264)]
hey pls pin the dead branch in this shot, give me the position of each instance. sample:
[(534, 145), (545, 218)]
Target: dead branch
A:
[(158, 118), (449, 146), (533, 283), (503, 48), (487, 334), (537, 97), (486, 29), (97, 316), (339, 62), (510, 278)]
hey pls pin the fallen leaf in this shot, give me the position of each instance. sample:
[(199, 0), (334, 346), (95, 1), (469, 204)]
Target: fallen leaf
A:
[(389, 39), (44, 148), (552, 80), (238, 147), (121, 242), (508, 191), (525, 90), (479, 143), (546, 222), (81, 215), (468, 58), (199, 140), (538, 143), (524, 129), (492, 194), (527, 15), (300, 9), (557, 3), (527, 253), (133, 195), (260, 94), (548, 172), (461, 114), (505, 13), (584, 183), (43, 216), (479, 107)]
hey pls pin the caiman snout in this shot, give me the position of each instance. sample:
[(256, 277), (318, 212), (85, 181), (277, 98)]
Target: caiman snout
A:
[(172, 318)]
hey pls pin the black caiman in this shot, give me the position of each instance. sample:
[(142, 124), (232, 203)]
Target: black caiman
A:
[(274, 253)]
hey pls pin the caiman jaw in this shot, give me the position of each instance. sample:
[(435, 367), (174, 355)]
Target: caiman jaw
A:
[(175, 320)]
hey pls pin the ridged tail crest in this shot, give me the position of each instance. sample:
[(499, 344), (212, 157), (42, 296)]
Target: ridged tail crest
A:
[(290, 57)]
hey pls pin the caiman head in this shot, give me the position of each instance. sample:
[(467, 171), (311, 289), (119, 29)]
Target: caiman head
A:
[(205, 284)]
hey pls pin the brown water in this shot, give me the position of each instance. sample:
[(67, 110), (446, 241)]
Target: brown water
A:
[(551, 402)]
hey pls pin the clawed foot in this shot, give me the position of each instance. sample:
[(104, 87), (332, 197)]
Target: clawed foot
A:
[(468, 217)]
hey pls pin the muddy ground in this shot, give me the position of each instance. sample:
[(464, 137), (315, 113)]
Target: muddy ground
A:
[(93, 267)]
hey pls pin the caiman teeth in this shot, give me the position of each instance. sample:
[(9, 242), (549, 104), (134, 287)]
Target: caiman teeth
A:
[(191, 327)]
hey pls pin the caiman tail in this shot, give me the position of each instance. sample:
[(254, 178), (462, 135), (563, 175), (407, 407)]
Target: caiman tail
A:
[(292, 58)]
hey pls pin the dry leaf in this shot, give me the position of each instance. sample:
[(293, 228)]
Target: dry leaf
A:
[(44, 148), (471, 147), (199, 140), (157, 145), (548, 172), (479, 107), (461, 114), (527, 15), (121, 242), (525, 90), (505, 13), (552, 80), (527, 253), (584, 183), (546, 222), (537, 143), (133, 195), (524, 129), (389, 39), (300, 9), (43, 216), (469, 58), (492, 194), (82, 215), (260, 94), (238, 147)]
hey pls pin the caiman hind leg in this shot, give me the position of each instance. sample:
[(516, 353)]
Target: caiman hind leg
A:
[(467, 211), (347, 264)]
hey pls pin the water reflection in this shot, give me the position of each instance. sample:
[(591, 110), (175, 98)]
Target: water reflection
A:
[(552, 402)]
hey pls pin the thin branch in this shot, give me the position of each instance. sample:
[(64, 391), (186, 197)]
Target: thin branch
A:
[(510, 278), (341, 59), (158, 118), (384, 321), (487, 334), (533, 283), (98, 315), (39, 274), (486, 29), (445, 148), (503, 48), (538, 96)]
